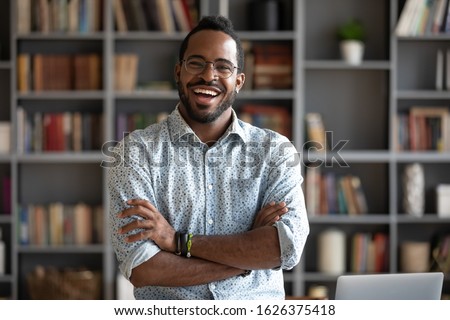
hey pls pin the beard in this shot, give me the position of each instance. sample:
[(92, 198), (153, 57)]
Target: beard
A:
[(210, 117)]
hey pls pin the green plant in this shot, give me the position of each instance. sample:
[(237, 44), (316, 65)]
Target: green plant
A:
[(351, 30)]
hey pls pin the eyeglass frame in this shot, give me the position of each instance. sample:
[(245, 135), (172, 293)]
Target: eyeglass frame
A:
[(213, 65)]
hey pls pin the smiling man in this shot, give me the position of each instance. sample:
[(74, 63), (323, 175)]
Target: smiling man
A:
[(204, 205)]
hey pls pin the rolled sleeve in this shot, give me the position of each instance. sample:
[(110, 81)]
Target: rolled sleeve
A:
[(285, 182), (127, 182)]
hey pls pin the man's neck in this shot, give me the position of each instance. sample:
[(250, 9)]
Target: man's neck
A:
[(211, 132)]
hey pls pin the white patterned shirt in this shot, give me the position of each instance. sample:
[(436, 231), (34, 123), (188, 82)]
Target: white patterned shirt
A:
[(206, 190)]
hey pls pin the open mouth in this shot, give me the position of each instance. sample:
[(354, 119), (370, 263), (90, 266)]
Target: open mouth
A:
[(205, 96)]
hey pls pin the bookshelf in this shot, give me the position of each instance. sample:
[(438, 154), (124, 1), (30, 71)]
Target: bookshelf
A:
[(357, 103)]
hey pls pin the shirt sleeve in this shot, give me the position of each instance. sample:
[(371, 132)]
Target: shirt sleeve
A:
[(284, 184), (126, 180)]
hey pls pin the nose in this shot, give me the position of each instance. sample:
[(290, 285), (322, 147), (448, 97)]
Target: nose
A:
[(209, 72)]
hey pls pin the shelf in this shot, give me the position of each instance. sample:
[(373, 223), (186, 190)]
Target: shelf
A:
[(5, 158), (340, 65), (363, 156), (427, 218), (62, 95), (431, 37), (5, 218), (62, 157), (267, 35), (347, 219), (53, 36), (266, 94), (149, 36), (422, 94), (148, 94), (87, 249), (422, 156), (5, 65)]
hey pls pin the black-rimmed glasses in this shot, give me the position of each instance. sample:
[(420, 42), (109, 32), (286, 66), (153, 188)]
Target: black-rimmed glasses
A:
[(196, 65)]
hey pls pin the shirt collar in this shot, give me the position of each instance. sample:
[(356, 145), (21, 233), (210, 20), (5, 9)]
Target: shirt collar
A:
[(180, 130)]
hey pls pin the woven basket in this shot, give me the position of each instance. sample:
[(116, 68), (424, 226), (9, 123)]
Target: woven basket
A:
[(66, 284)]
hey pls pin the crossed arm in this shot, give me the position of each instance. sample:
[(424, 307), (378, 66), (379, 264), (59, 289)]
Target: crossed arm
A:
[(213, 257)]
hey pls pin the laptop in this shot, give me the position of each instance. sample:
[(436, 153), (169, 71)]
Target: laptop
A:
[(394, 286)]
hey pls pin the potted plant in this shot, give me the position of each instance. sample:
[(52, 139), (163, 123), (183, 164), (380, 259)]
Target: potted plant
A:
[(351, 36)]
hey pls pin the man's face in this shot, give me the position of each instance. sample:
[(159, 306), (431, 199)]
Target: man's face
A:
[(206, 96)]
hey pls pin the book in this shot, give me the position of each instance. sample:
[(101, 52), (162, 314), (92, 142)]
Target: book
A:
[(23, 72), (406, 16), (165, 13), (83, 227), (23, 16), (273, 65), (438, 16), (429, 128), (5, 137), (439, 84), (315, 130), (182, 21), (349, 194), (119, 16), (276, 118), (138, 15), (359, 195), (125, 70), (312, 193)]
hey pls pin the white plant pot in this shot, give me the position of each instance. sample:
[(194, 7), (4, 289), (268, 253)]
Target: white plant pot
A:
[(352, 51)]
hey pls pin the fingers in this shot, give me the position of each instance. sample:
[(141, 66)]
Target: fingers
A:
[(270, 213), (138, 207), (273, 212)]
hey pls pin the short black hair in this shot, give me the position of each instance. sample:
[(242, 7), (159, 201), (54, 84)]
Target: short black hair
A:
[(217, 23)]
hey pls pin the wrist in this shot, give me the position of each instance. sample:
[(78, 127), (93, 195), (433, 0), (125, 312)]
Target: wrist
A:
[(183, 244), (177, 243)]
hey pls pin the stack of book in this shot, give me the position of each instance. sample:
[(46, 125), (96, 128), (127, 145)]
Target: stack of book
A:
[(58, 131), (422, 17), (156, 15), (127, 122), (369, 253), (273, 64), (60, 224), (424, 128), (327, 193), (276, 118), (56, 72), (59, 16)]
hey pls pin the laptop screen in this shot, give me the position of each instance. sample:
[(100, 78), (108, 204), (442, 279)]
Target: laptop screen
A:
[(398, 286)]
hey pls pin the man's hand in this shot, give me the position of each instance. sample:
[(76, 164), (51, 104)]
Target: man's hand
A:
[(270, 214), (155, 226)]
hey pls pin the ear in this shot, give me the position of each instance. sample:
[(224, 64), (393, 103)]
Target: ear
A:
[(177, 72), (240, 79)]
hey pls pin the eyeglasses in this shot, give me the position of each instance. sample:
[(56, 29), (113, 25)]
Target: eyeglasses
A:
[(195, 66)]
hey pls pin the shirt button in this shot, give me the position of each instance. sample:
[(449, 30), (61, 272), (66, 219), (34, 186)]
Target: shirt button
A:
[(213, 286), (210, 221), (210, 187)]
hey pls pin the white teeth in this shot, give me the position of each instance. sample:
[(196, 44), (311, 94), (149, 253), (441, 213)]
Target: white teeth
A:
[(204, 91)]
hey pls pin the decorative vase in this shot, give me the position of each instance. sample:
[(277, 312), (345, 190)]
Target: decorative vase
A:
[(414, 190), (352, 51), (331, 250)]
